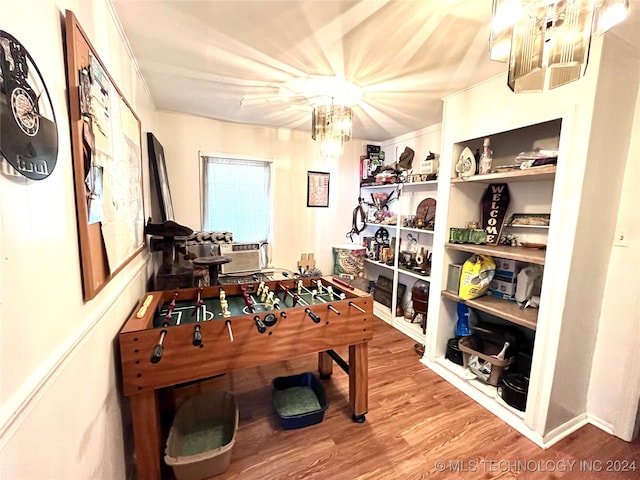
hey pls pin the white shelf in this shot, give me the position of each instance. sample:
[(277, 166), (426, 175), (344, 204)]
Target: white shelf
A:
[(416, 230), (380, 186), (488, 391), (409, 273), (412, 330), (482, 393), (383, 312), (419, 184), (378, 264)]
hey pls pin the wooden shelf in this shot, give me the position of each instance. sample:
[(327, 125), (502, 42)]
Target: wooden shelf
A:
[(530, 255), (547, 172), (500, 308)]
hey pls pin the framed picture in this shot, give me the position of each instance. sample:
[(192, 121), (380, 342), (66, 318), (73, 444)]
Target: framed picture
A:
[(317, 189), (159, 168)]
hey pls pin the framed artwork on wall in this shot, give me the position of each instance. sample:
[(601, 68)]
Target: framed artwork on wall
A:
[(317, 189), (159, 169)]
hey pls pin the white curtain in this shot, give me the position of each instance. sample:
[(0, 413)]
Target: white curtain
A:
[(237, 198)]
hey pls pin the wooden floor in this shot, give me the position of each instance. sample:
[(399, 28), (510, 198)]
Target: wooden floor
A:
[(418, 426)]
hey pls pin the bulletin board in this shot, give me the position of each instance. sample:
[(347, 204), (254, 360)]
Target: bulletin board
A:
[(107, 165)]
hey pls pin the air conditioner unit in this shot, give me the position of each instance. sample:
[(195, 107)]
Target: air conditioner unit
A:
[(245, 257)]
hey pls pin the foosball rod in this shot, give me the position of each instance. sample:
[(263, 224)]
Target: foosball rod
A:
[(333, 309), (156, 355), (362, 310), (228, 324)]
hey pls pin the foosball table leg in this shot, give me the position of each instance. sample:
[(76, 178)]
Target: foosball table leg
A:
[(147, 435), (359, 381), (325, 365)]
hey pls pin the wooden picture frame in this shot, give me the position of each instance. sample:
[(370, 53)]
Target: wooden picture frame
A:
[(159, 169), (317, 189), (107, 165)]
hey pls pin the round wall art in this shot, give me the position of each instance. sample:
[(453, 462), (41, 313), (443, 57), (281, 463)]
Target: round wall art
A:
[(28, 133)]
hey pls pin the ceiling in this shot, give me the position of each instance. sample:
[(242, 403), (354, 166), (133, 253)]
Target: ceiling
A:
[(232, 60)]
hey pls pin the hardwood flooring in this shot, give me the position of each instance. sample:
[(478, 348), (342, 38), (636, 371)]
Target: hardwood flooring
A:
[(418, 426)]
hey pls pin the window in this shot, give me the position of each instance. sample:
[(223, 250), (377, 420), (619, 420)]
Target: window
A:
[(237, 197)]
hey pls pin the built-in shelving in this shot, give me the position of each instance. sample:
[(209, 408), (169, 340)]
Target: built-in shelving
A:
[(498, 307), (546, 172), (530, 255), (406, 203)]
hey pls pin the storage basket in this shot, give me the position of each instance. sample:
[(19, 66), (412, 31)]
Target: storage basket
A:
[(202, 435), (497, 366)]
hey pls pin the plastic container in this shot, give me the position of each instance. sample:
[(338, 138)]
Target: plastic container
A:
[(299, 400), (497, 366), (513, 389), (202, 435)]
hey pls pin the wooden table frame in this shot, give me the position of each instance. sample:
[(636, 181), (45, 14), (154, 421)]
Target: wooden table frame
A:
[(295, 335)]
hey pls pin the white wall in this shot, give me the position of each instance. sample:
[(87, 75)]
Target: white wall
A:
[(297, 229), (60, 401), (614, 389)]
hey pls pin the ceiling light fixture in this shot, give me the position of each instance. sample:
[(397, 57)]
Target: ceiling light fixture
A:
[(546, 42), (331, 125), (332, 115)]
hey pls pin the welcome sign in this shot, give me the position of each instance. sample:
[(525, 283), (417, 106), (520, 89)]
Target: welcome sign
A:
[(495, 202)]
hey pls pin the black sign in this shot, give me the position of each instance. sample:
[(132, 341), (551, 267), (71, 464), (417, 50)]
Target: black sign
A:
[(495, 202)]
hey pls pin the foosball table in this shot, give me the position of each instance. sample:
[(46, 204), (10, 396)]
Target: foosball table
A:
[(179, 336)]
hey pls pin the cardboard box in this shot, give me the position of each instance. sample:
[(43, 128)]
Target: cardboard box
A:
[(503, 287), (508, 268)]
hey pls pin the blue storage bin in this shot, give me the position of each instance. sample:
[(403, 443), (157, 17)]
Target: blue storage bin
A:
[(299, 400)]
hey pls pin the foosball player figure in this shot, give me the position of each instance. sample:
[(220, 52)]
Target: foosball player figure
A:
[(270, 298)]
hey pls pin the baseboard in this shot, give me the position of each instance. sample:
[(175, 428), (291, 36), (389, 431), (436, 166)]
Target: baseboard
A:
[(504, 415), (564, 430), (601, 424)]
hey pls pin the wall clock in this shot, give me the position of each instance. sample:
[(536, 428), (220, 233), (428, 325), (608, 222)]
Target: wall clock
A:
[(28, 132)]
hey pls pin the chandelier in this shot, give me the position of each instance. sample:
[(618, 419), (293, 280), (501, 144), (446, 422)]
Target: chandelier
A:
[(546, 42), (331, 125)]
